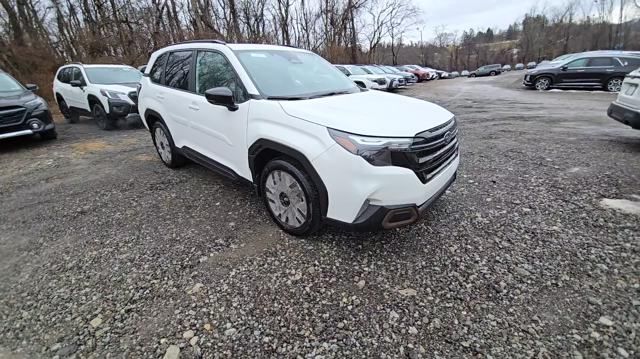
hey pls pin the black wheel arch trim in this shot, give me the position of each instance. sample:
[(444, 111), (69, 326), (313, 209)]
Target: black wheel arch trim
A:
[(150, 112), (263, 144)]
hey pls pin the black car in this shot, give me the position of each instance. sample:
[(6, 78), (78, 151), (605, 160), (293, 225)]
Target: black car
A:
[(599, 70), (22, 112)]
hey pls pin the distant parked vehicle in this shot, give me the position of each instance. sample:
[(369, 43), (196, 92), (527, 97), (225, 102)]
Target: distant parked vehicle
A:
[(626, 108), (442, 74), (455, 74), (104, 92), (465, 73), (396, 80), (364, 79), (433, 73), (22, 112), (409, 78), (506, 68), (487, 70), (532, 65), (586, 70), (519, 66), (420, 73)]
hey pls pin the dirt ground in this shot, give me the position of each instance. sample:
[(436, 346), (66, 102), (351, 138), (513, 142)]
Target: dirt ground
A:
[(533, 252)]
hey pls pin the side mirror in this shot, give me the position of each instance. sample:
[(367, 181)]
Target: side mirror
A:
[(142, 68), (33, 88), (221, 96), (564, 68), (76, 83)]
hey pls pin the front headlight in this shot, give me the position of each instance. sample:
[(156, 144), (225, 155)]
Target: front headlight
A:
[(375, 150), (36, 104), (113, 94)]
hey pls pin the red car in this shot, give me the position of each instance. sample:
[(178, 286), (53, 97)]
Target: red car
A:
[(416, 70)]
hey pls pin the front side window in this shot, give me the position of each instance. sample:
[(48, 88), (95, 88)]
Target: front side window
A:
[(9, 86), (577, 63), (110, 75), (157, 70), (601, 62), (177, 70), (76, 75), (213, 70), (293, 74)]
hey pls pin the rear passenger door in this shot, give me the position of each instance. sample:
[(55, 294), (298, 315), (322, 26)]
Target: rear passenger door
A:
[(600, 69), (176, 95), (78, 96)]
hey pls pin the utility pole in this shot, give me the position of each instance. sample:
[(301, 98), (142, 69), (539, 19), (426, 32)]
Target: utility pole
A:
[(421, 48)]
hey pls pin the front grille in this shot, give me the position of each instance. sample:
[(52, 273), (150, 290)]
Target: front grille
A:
[(12, 115), (133, 95), (431, 151)]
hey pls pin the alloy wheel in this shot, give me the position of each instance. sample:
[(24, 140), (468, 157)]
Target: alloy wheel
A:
[(286, 199), (162, 145), (542, 84), (614, 85)]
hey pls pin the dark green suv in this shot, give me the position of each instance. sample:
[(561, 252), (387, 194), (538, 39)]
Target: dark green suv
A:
[(487, 70)]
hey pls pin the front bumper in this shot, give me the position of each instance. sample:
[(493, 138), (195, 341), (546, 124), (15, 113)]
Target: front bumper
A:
[(32, 123), (528, 81), (356, 188), (624, 114), (120, 108)]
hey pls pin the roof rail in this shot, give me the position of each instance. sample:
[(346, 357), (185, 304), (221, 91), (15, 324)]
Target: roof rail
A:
[(202, 41), (75, 63)]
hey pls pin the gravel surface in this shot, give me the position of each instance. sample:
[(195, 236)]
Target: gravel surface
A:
[(106, 252)]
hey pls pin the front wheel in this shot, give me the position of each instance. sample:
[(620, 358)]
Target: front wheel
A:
[(291, 197), (101, 118), (543, 83), (614, 84), (472, 75), (49, 135)]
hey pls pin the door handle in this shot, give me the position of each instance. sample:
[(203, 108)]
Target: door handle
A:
[(194, 107), (160, 97), (581, 70), (610, 70)]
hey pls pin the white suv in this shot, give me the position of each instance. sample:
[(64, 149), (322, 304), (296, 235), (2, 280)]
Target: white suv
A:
[(316, 146), (363, 79), (105, 92), (626, 108)]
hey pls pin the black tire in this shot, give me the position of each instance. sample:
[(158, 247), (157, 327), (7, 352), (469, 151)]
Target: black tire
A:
[(175, 159), (542, 83), (492, 73), (472, 75), (69, 114), (100, 117), (312, 221), (49, 135)]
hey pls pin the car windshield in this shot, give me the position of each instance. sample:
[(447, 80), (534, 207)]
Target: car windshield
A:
[(392, 70), (374, 69), (113, 75), (291, 74), (355, 70), (9, 86)]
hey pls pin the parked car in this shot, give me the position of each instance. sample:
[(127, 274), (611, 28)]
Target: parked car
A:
[(285, 120), (532, 65), (22, 112), (465, 73), (587, 70), (396, 81), (104, 92), (519, 66), (420, 73), (455, 74), (433, 74), (442, 74), (364, 79), (506, 68), (487, 70), (409, 78), (626, 108)]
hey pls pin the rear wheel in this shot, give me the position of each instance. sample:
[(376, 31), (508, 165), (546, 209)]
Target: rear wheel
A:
[(492, 73), (165, 147), (543, 83), (291, 197), (100, 116), (614, 84)]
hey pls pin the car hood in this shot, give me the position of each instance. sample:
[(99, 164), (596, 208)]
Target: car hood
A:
[(124, 88), (371, 113), (16, 99)]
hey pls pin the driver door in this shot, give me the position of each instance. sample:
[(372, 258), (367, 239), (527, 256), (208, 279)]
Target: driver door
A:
[(217, 132), (574, 72)]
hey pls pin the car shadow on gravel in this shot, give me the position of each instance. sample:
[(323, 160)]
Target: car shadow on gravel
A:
[(23, 143)]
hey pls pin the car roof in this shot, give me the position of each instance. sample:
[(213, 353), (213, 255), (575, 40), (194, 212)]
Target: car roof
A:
[(235, 47)]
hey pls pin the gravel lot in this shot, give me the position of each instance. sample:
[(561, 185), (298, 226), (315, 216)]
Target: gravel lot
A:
[(105, 252)]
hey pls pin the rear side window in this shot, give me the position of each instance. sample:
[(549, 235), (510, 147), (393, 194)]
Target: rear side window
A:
[(601, 62), (177, 69), (64, 75), (157, 69)]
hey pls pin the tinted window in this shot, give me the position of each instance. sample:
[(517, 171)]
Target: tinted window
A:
[(176, 73), (601, 61), (343, 70), (113, 75), (64, 75), (157, 69), (76, 74), (578, 63), (213, 70), (630, 61)]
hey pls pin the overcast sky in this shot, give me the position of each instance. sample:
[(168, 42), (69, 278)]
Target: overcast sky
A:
[(464, 14)]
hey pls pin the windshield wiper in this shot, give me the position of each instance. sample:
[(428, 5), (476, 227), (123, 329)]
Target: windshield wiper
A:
[(333, 93), (286, 98)]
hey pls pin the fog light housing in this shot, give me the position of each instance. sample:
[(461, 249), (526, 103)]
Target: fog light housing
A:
[(35, 124)]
